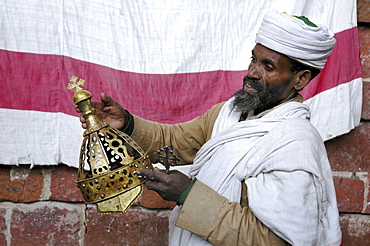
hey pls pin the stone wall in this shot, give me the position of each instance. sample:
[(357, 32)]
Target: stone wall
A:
[(42, 206)]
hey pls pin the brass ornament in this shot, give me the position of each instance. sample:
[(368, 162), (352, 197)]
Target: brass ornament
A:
[(108, 160), (167, 158)]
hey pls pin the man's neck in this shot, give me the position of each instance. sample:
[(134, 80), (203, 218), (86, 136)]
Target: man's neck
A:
[(296, 97)]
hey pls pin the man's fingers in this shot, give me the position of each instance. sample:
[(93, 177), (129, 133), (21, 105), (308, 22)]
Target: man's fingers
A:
[(151, 175), (82, 119), (83, 122), (156, 186), (147, 174), (151, 185)]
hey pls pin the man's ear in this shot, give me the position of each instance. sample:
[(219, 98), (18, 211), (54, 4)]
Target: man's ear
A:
[(303, 77)]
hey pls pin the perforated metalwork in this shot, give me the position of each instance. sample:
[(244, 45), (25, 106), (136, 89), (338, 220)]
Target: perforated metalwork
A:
[(112, 157), (100, 188), (108, 159)]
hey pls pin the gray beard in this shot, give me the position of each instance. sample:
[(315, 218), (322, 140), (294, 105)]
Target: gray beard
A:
[(264, 99), (245, 102)]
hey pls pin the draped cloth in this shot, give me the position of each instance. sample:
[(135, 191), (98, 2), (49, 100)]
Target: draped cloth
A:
[(283, 161)]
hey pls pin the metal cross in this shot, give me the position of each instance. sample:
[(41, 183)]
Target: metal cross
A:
[(167, 158), (76, 84)]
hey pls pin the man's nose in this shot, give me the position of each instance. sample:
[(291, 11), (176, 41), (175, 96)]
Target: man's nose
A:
[(253, 71)]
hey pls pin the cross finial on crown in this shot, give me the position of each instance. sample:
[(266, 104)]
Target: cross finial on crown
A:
[(76, 84)]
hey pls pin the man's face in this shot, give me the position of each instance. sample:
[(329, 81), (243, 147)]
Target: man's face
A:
[(268, 82)]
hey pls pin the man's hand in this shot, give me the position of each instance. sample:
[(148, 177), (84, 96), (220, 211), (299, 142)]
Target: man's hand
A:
[(169, 187), (109, 111)]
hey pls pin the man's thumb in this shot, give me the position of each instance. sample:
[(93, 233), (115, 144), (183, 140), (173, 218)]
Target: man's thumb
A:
[(107, 100)]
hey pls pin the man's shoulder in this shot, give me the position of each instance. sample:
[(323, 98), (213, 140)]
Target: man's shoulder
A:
[(299, 128), (215, 109)]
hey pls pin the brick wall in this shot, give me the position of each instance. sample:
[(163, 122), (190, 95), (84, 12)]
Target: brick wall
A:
[(42, 206), (349, 155)]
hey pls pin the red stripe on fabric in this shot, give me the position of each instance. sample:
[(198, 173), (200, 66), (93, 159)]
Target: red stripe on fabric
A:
[(38, 82), (343, 64)]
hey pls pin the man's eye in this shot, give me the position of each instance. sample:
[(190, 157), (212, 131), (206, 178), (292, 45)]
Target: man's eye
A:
[(269, 67)]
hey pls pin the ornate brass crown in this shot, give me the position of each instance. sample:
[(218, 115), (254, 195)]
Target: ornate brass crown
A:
[(108, 159)]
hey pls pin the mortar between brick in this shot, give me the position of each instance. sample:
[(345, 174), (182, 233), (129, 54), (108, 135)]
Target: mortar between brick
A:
[(8, 220), (17, 172), (46, 192)]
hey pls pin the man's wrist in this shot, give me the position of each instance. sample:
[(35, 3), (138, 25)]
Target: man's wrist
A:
[(128, 128), (181, 199)]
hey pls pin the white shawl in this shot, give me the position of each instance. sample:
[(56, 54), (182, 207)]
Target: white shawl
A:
[(283, 161)]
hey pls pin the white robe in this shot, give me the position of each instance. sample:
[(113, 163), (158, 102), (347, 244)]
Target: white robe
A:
[(282, 159)]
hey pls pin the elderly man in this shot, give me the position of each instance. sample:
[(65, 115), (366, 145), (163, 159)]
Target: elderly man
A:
[(260, 173)]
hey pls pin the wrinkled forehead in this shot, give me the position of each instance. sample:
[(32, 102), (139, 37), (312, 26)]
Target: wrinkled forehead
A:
[(266, 54)]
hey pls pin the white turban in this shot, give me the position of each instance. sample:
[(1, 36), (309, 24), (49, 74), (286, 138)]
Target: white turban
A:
[(291, 36)]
